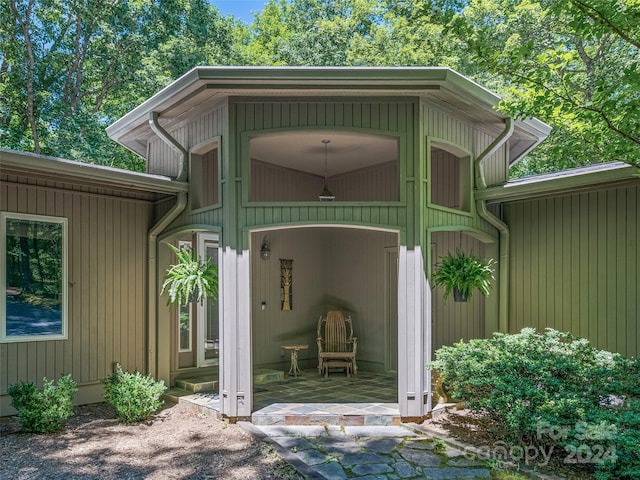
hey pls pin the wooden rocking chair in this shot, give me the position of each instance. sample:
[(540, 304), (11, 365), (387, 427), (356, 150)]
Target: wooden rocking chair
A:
[(336, 344)]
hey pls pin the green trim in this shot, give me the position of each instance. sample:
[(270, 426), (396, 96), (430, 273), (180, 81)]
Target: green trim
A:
[(355, 225), (209, 208), (481, 235), (320, 204), (454, 211), (247, 231)]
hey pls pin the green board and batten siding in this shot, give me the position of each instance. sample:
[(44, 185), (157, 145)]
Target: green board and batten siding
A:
[(396, 116), (107, 285), (392, 117), (441, 127), (163, 160), (575, 266), (412, 121)]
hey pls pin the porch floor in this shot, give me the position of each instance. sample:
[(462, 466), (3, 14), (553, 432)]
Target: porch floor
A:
[(363, 399), (311, 387)]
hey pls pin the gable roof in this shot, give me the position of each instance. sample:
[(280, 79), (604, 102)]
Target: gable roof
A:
[(204, 86)]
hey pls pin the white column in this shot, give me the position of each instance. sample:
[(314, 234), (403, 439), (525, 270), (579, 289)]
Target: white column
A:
[(235, 333), (414, 334)]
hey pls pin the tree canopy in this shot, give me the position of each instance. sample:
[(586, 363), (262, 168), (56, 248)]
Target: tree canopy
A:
[(572, 63), (69, 68)]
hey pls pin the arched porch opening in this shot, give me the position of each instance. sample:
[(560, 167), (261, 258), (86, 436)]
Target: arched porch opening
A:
[(333, 267)]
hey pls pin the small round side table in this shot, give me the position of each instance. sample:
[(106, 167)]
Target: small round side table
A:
[(294, 349)]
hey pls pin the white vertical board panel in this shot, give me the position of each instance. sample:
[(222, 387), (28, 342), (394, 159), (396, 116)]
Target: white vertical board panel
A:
[(244, 395), (235, 331), (414, 334)]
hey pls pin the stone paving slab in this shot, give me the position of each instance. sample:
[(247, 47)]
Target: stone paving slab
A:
[(369, 453), (382, 445), (448, 473)]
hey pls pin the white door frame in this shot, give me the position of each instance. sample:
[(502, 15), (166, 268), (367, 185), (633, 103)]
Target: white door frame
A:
[(205, 239)]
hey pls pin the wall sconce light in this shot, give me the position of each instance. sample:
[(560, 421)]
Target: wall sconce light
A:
[(265, 251)]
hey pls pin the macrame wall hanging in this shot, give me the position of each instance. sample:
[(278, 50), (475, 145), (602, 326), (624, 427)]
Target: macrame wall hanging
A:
[(286, 284)]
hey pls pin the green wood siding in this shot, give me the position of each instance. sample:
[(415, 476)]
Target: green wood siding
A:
[(163, 160), (395, 117), (575, 266), (455, 321), (444, 128), (411, 120), (107, 284)]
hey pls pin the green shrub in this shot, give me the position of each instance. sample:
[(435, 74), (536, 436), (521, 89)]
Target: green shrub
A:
[(554, 391), (133, 395), (46, 410)]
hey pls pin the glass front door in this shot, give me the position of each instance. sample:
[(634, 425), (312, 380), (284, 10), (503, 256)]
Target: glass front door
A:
[(208, 336)]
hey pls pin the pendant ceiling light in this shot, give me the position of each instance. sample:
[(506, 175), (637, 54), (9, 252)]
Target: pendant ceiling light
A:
[(326, 195)]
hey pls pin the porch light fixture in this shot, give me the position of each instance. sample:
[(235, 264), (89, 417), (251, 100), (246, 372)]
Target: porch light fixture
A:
[(265, 251), (326, 195)]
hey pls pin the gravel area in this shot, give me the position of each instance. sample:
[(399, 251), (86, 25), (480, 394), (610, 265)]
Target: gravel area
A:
[(176, 443)]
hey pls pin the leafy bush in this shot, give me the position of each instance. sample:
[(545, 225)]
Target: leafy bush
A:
[(555, 391), (46, 410), (133, 395)]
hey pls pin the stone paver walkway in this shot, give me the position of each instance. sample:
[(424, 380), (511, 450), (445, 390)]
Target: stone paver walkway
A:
[(368, 452)]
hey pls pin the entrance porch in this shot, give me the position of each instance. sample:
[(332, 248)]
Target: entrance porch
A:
[(309, 399)]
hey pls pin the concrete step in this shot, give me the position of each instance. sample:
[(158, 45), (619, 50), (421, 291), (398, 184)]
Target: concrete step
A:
[(343, 414), (196, 384), (209, 383), (265, 375), (173, 395)]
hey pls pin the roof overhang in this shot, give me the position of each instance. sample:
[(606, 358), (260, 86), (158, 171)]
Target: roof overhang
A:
[(566, 182), (206, 86), (61, 170)]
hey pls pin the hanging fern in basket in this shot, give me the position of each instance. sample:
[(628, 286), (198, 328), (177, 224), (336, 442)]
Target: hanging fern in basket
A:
[(464, 272), (190, 279)]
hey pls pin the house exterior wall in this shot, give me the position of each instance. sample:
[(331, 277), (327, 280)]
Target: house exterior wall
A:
[(163, 160), (447, 129), (414, 122), (107, 286), (455, 321), (575, 266)]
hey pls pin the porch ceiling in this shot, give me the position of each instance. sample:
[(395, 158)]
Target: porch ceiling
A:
[(305, 151)]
